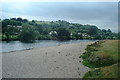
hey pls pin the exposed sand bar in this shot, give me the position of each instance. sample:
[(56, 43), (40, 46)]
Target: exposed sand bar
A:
[(50, 62)]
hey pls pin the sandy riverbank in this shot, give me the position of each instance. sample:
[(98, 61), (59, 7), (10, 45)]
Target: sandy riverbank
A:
[(50, 62)]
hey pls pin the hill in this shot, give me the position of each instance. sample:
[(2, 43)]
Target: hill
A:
[(14, 28)]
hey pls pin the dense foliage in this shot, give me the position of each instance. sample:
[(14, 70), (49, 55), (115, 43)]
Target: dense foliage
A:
[(63, 34), (28, 34), (25, 30)]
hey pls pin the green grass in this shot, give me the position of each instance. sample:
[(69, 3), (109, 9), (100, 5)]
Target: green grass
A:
[(102, 55), (109, 47), (103, 72)]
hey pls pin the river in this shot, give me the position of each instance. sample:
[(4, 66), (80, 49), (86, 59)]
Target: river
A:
[(17, 45)]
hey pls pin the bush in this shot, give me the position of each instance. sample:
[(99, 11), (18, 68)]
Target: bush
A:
[(5, 37), (14, 37), (44, 37), (96, 73), (100, 60)]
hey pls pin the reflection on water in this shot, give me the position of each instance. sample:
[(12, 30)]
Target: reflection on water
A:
[(17, 45)]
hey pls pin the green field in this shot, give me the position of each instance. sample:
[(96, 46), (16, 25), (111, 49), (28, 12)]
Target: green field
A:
[(102, 58)]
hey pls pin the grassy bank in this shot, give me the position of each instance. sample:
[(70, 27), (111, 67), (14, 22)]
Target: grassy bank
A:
[(102, 58)]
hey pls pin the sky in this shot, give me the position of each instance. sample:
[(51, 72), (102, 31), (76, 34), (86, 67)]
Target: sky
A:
[(102, 14)]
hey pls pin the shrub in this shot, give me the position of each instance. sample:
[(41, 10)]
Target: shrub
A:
[(101, 59)]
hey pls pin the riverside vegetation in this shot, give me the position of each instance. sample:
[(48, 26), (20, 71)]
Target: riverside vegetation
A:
[(102, 58), (29, 31)]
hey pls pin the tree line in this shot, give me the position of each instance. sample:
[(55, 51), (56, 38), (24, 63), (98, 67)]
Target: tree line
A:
[(29, 31)]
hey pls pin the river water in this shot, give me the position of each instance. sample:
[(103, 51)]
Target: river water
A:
[(17, 45)]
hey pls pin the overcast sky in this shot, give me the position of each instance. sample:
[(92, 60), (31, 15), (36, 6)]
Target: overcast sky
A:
[(102, 14)]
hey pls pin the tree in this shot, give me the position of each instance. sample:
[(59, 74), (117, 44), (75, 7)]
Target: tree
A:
[(97, 36), (25, 20), (4, 26), (14, 23), (13, 30), (109, 31), (33, 21), (45, 31), (119, 35), (39, 28), (63, 34), (13, 19), (28, 34), (103, 30), (19, 19), (92, 30)]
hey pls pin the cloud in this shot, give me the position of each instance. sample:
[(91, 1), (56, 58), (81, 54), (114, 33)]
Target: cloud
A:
[(102, 14)]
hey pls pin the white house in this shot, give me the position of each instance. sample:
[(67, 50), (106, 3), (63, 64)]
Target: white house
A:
[(85, 35), (53, 32)]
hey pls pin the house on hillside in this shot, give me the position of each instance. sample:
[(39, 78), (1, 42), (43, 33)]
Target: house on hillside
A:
[(85, 35), (71, 34), (79, 33), (15, 26), (19, 26), (53, 32)]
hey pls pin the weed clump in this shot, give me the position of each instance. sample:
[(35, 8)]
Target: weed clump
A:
[(100, 60)]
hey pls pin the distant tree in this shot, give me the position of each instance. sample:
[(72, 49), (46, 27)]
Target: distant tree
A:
[(13, 30), (33, 21), (103, 30), (25, 20), (45, 31), (14, 23), (109, 31), (4, 26), (92, 30), (28, 34), (13, 19), (63, 34), (119, 35), (77, 25), (97, 36), (39, 28), (19, 19)]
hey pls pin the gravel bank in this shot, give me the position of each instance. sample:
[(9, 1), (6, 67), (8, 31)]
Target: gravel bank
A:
[(51, 62)]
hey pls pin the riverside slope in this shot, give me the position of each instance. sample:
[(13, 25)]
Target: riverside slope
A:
[(51, 62)]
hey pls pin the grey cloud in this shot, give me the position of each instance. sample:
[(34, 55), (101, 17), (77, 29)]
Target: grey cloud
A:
[(81, 12)]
